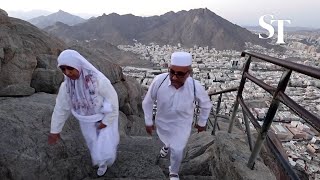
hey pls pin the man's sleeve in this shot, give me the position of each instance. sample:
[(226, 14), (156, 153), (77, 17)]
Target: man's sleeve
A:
[(148, 101), (61, 110), (204, 104), (110, 95)]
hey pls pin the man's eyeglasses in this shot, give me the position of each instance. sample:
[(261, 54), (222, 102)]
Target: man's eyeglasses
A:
[(179, 74), (63, 68)]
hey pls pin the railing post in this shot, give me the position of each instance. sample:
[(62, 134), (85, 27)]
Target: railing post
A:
[(216, 115), (241, 86), (269, 117), (246, 123), (233, 115)]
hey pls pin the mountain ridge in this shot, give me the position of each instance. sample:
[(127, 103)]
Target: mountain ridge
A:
[(194, 27), (60, 16)]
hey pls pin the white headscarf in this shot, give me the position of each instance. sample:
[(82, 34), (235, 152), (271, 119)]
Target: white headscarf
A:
[(83, 91)]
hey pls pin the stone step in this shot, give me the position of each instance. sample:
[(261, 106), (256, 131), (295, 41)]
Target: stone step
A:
[(136, 159)]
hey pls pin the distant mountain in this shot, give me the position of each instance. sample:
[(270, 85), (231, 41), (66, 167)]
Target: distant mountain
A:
[(310, 32), (60, 16), (195, 27), (286, 28), (201, 27), (26, 15)]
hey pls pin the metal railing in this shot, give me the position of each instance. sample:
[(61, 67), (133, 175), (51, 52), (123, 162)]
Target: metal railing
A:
[(216, 113), (278, 96)]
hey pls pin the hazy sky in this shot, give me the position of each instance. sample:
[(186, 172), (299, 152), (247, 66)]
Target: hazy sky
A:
[(243, 12)]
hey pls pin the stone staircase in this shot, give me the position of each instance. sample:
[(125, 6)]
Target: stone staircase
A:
[(138, 158)]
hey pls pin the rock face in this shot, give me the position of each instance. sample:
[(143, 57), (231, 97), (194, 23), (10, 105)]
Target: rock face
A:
[(24, 151), (28, 64), (230, 157), (3, 16), (21, 44), (24, 148)]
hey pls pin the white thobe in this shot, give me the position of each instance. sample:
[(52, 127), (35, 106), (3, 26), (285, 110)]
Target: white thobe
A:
[(175, 110), (101, 143)]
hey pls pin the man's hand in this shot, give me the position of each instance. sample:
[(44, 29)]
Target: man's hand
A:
[(200, 128), (101, 125), (149, 129), (53, 138)]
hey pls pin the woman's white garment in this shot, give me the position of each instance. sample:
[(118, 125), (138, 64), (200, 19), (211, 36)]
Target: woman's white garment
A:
[(175, 109), (90, 98)]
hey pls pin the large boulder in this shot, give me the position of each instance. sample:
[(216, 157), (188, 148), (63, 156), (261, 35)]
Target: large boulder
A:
[(28, 64), (24, 151), (17, 65), (46, 80), (135, 94), (198, 155), (46, 77), (17, 90), (122, 92), (136, 126), (230, 157), (3, 16), (20, 45)]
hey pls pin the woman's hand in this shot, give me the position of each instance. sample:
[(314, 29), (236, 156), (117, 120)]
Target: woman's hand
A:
[(101, 125), (149, 129), (53, 138)]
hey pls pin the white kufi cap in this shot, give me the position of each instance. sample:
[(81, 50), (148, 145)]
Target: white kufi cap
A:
[(181, 59)]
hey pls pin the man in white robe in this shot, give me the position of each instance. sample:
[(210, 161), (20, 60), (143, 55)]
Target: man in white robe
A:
[(175, 93), (91, 98)]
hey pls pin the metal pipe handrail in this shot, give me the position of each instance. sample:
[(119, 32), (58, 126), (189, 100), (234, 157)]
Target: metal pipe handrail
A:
[(301, 68), (278, 96), (289, 171), (223, 91), (303, 113), (216, 115), (260, 83), (249, 114)]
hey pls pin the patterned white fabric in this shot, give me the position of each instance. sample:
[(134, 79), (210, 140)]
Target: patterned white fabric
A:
[(91, 98), (82, 91)]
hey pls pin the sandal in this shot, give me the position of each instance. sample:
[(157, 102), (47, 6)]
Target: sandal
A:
[(102, 170), (174, 176), (164, 152)]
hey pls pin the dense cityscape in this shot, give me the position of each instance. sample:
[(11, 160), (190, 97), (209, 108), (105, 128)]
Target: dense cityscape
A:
[(219, 70)]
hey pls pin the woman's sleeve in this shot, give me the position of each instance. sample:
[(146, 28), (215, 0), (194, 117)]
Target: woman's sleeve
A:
[(61, 110), (110, 95)]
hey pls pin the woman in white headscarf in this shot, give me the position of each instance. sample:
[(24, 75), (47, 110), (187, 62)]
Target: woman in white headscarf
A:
[(91, 98)]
